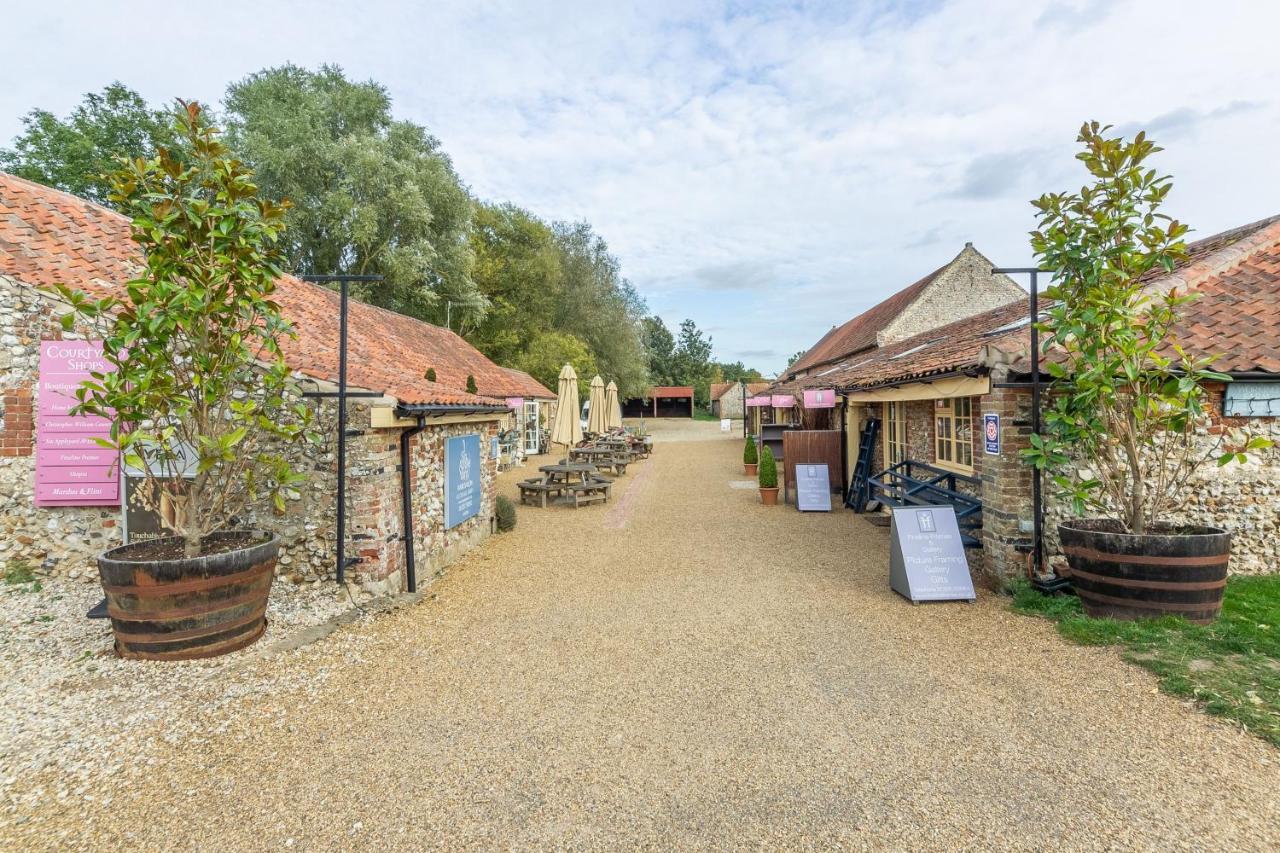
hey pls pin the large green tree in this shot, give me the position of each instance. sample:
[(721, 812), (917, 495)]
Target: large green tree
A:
[(660, 349), (550, 351), (693, 365), (77, 153), (371, 195), (736, 371), (517, 268), (601, 308)]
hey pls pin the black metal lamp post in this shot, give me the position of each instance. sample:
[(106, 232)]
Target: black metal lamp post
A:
[(1037, 503), (342, 394)]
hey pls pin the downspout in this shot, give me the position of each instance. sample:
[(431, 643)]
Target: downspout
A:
[(406, 502), (844, 450)]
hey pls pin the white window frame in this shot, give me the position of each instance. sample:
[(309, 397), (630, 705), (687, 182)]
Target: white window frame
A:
[(895, 433), (953, 434)]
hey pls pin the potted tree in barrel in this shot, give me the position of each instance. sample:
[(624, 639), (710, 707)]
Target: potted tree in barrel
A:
[(198, 398), (750, 457), (1121, 435), (768, 477)]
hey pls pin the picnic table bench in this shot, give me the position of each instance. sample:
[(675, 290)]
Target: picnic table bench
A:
[(603, 457), (571, 483)]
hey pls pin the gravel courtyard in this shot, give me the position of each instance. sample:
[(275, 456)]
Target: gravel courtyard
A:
[(678, 668)]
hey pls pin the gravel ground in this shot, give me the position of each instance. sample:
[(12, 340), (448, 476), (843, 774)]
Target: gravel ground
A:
[(70, 704), (680, 668)]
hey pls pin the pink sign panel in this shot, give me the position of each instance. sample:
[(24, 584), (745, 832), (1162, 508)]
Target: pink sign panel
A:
[(819, 398), (72, 469), (516, 403), (784, 401), (758, 401)]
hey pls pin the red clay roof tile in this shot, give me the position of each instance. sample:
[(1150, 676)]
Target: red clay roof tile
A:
[(49, 237)]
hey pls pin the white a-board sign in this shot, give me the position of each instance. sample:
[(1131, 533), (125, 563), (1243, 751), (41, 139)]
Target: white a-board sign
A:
[(813, 488), (926, 557)]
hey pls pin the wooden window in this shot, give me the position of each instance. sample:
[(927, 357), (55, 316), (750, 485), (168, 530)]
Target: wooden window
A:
[(895, 433), (953, 433)]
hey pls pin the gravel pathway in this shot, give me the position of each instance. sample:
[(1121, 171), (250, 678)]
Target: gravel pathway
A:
[(695, 671)]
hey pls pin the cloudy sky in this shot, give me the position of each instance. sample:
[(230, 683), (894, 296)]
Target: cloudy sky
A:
[(768, 169)]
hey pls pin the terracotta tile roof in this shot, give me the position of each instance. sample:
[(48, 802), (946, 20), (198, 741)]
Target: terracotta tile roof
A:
[(671, 391), (860, 332), (1237, 317), (532, 388), (1238, 313), (48, 237), (719, 389)]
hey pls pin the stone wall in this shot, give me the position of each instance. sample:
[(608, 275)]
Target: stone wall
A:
[(964, 288), (1243, 498), (66, 540)]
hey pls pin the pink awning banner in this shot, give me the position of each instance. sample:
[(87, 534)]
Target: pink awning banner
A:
[(819, 398), (516, 403), (758, 401), (784, 401)]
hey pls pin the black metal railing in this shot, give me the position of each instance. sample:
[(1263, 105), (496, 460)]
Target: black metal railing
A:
[(914, 483)]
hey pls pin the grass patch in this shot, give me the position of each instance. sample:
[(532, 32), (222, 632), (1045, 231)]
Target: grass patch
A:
[(705, 415), (18, 572), (1232, 667)]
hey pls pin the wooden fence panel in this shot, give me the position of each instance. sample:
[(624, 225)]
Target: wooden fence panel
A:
[(811, 447)]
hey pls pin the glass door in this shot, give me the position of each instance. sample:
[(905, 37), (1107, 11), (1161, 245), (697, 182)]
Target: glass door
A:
[(531, 427)]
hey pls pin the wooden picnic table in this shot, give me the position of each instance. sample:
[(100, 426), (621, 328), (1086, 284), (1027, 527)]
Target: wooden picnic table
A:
[(574, 482), (604, 457)]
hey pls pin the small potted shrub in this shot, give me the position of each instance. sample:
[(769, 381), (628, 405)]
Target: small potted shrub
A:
[(768, 477), (1121, 436), (750, 457), (198, 398), (505, 510)]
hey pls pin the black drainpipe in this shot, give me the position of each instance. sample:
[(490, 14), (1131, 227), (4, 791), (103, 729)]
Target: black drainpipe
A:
[(406, 502), (844, 449)]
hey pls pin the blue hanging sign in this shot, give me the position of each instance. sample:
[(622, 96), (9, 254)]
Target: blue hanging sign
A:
[(462, 486), (991, 433)]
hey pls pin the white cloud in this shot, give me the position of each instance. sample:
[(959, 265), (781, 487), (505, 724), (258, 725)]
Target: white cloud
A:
[(818, 157)]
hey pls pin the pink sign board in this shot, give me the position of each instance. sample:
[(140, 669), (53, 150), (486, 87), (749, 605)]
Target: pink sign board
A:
[(819, 398), (515, 403), (71, 468), (784, 401), (758, 401)]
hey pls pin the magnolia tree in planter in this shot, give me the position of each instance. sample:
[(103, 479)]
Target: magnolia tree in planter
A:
[(1121, 436), (198, 397)]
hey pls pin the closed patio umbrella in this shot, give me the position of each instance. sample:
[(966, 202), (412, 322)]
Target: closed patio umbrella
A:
[(596, 415), (566, 428), (612, 408)]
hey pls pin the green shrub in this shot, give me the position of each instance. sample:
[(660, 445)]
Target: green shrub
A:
[(471, 384), (431, 374), (749, 454), (768, 471), (506, 512)]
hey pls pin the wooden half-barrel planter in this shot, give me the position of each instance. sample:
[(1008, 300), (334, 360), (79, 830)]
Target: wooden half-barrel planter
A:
[(1171, 572), (184, 608)]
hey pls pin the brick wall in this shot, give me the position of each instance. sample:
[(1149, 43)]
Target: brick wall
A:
[(16, 422)]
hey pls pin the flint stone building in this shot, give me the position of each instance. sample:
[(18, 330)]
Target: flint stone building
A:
[(49, 237), (933, 394)]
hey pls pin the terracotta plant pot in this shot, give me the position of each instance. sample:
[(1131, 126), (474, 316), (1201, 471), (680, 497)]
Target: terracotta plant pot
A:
[(769, 497), (750, 468), (179, 608), (1171, 572)]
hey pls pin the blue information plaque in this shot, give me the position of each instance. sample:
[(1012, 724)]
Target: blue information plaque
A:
[(462, 486)]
